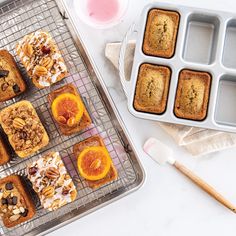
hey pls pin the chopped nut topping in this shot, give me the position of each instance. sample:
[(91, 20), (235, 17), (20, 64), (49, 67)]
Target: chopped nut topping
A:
[(26, 129)]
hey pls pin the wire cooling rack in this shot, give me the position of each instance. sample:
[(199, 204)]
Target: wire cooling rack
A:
[(21, 17)]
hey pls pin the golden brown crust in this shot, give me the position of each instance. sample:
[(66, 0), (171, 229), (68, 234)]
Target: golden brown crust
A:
[(95, 141), (4, 156), (192, 95), (152, 88), (16, 180), (161, 33), (7, 129), (13, 84), (85, 120)]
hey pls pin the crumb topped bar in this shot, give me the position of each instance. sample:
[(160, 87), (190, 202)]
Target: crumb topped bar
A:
[(51, 181), (25, 131), (41, 58)]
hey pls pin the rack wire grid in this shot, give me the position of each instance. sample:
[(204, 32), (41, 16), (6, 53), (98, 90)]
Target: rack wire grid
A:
[(21, 17)]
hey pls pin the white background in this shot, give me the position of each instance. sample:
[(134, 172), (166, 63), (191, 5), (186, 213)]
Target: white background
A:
[(167, 204)]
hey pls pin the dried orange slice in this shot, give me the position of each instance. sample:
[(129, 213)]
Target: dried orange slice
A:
[(94, 163), (67, 109)]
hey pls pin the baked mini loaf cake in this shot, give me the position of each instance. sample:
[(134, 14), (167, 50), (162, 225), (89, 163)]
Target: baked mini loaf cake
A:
[(4, 156), (42, 59), (152, 88), (15, 204), (68, 124), (161, 33), (25, 131), (51, 181), (91, 144), (192, 95), (11, 82)]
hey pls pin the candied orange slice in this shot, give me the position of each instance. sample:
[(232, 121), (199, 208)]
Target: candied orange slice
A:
[(67, 109), (94, 163)]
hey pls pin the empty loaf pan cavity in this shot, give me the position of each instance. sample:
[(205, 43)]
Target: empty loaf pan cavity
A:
[(229, 58), (201, 38), (225, 112)]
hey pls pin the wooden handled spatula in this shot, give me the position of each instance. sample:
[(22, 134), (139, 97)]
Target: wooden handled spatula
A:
[(162, 154)]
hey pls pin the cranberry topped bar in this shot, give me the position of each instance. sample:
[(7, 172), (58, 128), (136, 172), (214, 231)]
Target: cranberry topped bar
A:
[(25, 131), (42, 59), (15, 203), (51, 181)]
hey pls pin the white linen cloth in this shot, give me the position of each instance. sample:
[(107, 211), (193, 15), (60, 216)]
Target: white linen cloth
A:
[(197, 141)]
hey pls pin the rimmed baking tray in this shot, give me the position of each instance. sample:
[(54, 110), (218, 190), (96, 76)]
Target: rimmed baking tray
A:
[(206, 41), (18, 18)]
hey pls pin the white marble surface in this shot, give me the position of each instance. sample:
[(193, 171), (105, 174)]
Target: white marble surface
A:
[(167, 204)]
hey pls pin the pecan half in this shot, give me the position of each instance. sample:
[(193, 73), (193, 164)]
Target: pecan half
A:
[(40, 70), (18, 123), (52, 173), (48, 192), (28, 50), (47, 62)]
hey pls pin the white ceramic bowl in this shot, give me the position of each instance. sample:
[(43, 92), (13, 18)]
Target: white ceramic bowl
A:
[(83, 13)]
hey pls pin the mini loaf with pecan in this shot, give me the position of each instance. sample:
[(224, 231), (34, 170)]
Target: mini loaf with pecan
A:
[(51, 181), (15, 204), (25, 131), (11, 82), (42, 59)]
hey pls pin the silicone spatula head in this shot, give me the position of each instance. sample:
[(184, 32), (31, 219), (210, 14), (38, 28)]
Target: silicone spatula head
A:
[(158, 151)]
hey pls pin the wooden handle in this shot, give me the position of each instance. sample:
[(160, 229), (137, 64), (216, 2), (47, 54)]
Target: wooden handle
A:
[(203, 185)]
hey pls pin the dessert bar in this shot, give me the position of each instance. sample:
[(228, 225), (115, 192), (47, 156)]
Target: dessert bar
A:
[(24, 129), (92, 163), (15, 204), (11, 81), (42, 59), (4, 155), (69, 110), (51, 181)]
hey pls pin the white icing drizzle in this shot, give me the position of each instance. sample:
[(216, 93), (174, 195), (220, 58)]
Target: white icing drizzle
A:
[(52, 160), (39, 39)]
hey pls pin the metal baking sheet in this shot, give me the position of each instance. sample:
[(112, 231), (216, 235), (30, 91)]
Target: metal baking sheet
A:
[(206, 41), (18, 18)]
